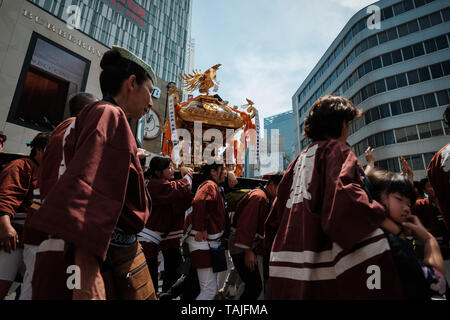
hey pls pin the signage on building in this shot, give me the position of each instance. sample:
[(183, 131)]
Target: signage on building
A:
[(134, 11), (156, 93), (62, 33)]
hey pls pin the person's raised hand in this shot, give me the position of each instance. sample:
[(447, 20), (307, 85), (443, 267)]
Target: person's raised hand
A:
[(417, 230), (186, 171)]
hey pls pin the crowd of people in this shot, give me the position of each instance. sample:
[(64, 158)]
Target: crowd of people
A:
[(81, 220)]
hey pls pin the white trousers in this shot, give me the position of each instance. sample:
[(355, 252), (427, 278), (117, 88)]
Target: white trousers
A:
[(29, 259), (208, 284)]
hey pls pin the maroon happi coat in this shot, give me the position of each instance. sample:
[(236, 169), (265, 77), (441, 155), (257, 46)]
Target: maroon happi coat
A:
[(329, 234), (47, 178), (17, 181), (103, 185), (271, 225), (248, 223), (170, 200), (439, 177), (208, 214)]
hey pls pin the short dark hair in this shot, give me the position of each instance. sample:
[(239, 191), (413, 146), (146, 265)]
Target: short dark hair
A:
[(39, 142), (389, 182), (274, 177), (206, 169), (447, 116), (158, 164), (326, 117), (115, 70), (79, 101)]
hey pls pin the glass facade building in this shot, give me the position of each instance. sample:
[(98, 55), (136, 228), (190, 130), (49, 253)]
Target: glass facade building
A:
[(398, 74), (156, 30), (284, 123)]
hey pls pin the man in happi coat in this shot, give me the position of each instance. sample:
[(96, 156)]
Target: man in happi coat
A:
[(18, 182), (246, 242), (100, 203), (439, 177), (329, 244)]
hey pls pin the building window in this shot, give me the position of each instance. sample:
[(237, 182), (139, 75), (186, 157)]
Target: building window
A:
[(400, 135), (430, 101), (406, 106), (396, 108), (436, 129), (380, 86), (408, 53), (382, 37), (419, 104), (385, 111), (401, 80), (435, 18), (441, 42), (430, 46), (411, 133), (436, 71), (387, 59), (389, 137), (424, 22), (443, 98), (50, 75), (391, 83), (403, 30), (392, 34), (418, 49), (413, 77), (396, 56), (424, 131), (413, 26), (424, 74)]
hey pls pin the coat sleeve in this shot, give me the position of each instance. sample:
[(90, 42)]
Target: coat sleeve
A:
[(247, 225), (347, 213), (15, 184)]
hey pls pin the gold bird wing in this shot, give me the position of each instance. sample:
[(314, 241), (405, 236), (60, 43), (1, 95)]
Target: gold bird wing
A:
[(193, 81)]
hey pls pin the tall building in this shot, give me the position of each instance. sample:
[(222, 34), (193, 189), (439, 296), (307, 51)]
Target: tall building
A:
[(398, 74), (51, 49), (157, 31), (284, 123)]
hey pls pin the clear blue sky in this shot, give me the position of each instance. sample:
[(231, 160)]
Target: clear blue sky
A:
[(266, 47)]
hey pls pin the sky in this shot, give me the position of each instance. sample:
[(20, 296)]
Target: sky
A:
[(267, 48)]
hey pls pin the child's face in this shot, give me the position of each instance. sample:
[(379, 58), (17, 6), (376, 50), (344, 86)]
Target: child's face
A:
[(398, 206)]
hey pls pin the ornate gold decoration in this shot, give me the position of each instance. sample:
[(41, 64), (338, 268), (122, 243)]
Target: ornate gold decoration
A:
[(209, 111), (201, 81)]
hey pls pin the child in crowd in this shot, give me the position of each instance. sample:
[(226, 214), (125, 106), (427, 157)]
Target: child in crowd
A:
[(420, 279)]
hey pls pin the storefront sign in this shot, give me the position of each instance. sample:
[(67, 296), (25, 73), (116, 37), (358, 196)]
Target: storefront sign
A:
[(62, 33), (132, 10)]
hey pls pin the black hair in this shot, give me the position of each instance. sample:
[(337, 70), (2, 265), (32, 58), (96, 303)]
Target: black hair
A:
[(389, 182), (206, 169), (39, 142), (423, 183), (326, 117), (79, 101), (115, 70), (418, 185), (274, 177), (447, 116), (158, 164)]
